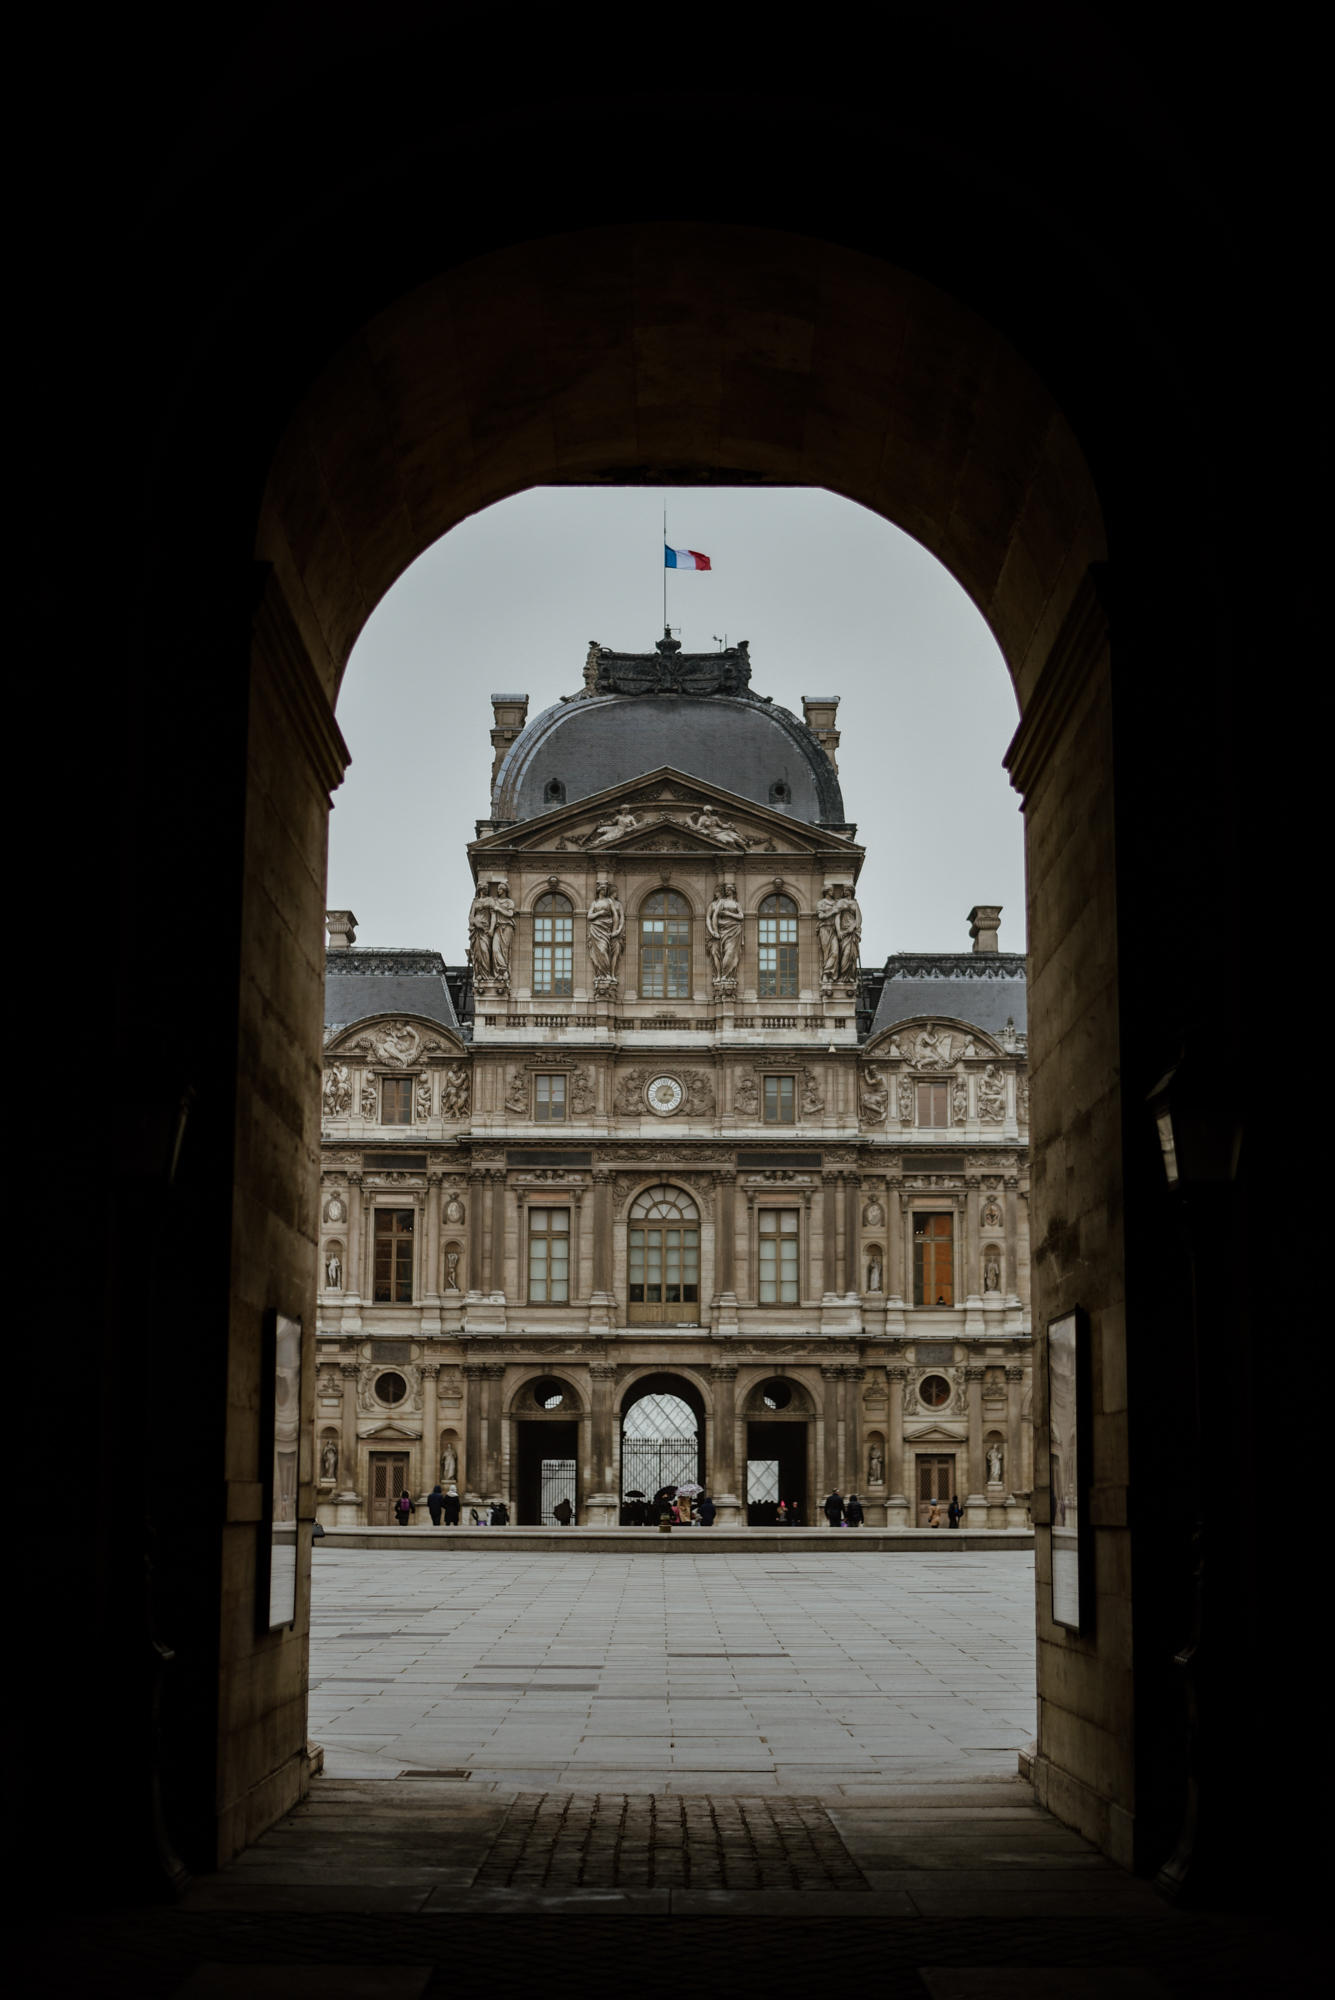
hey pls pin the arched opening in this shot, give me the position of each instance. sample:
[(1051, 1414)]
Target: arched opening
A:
[(664, 971), (883, 388), (779, 1461), (545, 1418), (662, 1441), (663, 1257)]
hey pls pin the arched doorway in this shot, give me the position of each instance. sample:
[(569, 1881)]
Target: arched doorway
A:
[(662, 1436), (779, 1467), (545, 1414)]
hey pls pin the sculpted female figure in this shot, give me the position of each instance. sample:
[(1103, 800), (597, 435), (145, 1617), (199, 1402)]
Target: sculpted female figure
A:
[(502, 934), (848, 924), (606, 931), (723, 923), (827, 933)]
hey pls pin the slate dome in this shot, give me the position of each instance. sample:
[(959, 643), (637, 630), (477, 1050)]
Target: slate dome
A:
[(693, 711)]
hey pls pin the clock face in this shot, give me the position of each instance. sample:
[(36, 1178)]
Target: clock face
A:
[(665, 1095)]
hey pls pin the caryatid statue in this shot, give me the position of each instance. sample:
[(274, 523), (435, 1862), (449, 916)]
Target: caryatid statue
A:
[(502, 934), (605, 929), (479, 937), (723, 923), (848, 925), (827, 932)]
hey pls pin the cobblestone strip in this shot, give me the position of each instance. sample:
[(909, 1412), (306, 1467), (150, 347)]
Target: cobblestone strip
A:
[(575, 1840)]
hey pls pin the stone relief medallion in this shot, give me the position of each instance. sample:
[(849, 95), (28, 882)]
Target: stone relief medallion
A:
[(665, 1095)]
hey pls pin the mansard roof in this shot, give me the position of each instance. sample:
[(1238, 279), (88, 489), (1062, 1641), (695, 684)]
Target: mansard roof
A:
[(637, 711), (367, 980), (983, 988)]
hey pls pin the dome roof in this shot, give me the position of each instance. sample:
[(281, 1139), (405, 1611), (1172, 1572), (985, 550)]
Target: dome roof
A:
[(693, 711)]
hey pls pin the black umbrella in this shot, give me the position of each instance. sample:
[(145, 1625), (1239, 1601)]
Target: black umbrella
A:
[(635, 1494)]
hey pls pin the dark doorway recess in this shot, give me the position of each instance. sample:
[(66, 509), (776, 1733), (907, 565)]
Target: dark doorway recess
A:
[(538, 1444), (786, 1446)]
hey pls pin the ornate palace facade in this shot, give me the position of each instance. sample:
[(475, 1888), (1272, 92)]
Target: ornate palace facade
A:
[(663, 1181)]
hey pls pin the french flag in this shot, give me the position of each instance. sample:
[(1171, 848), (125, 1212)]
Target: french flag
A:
[(684, 559)]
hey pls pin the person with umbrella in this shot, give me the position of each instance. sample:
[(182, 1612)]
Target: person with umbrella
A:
[(686, 1493), (632, 1512)]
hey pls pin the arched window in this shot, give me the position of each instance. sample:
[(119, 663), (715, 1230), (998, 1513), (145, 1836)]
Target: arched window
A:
[(664, 1258), (665, 946), (777, 961), (553, 946)]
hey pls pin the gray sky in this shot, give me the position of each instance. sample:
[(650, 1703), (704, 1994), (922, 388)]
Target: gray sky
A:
[(833, 601)]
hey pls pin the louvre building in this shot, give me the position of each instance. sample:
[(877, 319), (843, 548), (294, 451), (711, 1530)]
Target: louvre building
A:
[(663, 1182)]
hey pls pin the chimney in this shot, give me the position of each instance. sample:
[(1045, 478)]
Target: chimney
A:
[(984, 922), (818, 712), (511, 713), (342, 928)]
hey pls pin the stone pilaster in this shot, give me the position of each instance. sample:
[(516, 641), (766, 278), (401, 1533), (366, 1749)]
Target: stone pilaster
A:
[(975, 1505), (492, 1373), (353, 1291), (496, 1275), (602, 1500), (897, 1507), (1010, 1281), (430, 1430), (431, 1276), (827, 1470), (477, 1192), (1019, 1485), (471, 1471), (723, 1445), (346, 1500), (602, 1303)]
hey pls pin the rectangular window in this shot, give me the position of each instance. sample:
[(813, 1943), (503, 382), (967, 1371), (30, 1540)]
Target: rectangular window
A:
[(549, 1256), (779, 1100), (934, 1104), (933, 1260), (665, 957), (393, 1256), (396, 1100), (549, 1099), (778, 1257), (777, 969), (553, 954)]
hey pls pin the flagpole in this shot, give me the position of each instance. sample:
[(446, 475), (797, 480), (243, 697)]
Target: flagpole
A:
[(665, 623)]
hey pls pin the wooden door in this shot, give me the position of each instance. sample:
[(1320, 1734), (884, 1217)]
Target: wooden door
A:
[(936, 1481), (388, 1477)]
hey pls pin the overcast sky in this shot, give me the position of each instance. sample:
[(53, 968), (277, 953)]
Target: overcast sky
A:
[(832, 600)]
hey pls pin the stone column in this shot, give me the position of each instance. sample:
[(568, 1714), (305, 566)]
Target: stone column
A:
[(907, 1238), (602, 1502), (975, 1506), (1010, 1283), (491, 1420), (855, 1464), (431, 1276), (723, 1445), (602, 1238), (973, 1282), (477, 1187), (842, 1284), (354, 1271), (854, 1275), (894, 1243), (725, 1235), (829, 1258), (346, 1499), (828, 1469), (471, 1472), (1015, 1480), (430, 1429), (497, 1230), (897, 1509)]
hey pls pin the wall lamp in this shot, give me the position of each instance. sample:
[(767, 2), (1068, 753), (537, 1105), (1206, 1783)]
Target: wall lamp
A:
[(1200, 1140)]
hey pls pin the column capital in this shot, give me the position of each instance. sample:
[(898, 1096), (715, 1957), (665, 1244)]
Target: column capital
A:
[(723, 1371), (1015, 1371), (603, 1371), (475, 1370), (974, 1372), (897, 1372), (349, 1368)]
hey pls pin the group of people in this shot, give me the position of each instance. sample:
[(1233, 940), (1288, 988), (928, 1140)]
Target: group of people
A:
[(841, 1513), (773, 1514), (954, 1512), (446, 1508), (680, 1510)]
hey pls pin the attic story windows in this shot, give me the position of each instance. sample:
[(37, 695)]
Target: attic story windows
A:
[(777, 963), (553, 947), (665, 946), (396, 1100)]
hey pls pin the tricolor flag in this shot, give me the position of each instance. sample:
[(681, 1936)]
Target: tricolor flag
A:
[(684, 559)]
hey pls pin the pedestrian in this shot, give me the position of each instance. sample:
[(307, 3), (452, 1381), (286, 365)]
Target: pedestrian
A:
[(853, 1511), (782, 1521), (954, 1512), (403, 1507), (834, 1509), (500, 1514), (794, 1513), (707, 1511), (453, 1506), (435, 1504), (934, 1515), (563, 1512)]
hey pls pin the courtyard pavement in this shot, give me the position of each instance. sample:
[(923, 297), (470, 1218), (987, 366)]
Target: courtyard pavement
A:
[(748, 1675)]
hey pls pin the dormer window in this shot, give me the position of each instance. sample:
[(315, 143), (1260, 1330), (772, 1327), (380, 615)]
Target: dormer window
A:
[(780, 792), (553, 793)]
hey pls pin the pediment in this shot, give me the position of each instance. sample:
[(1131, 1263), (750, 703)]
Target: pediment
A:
[(666, 812), (931, 1042), (935, 1433), (398, 1041), (393, 1434)]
